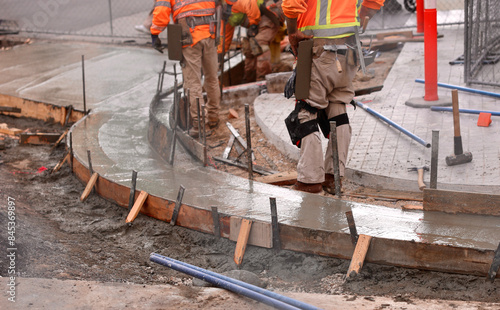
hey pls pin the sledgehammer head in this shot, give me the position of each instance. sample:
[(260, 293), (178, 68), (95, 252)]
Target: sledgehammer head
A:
[(463, 158)]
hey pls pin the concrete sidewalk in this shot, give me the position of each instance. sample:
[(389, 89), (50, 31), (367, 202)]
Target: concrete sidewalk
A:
[(380, 155)]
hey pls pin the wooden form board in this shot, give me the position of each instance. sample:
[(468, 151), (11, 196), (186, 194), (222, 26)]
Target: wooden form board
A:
[(9, 131), (39, 138), (261, 234), (461, 202), (282, 178), (391, 252)]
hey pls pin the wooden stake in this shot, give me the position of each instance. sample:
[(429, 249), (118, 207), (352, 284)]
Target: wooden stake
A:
[(59, 140), (358, 257), (90, 186), (241, 244), (137, 207), (59, 165)]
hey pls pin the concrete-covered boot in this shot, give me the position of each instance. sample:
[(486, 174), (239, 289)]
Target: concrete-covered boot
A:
[(195, 133), (308, 187)]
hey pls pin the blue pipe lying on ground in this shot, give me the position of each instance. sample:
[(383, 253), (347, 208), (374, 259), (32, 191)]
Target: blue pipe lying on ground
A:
[(470, 90), (445, 109), (406, 132), (240, 287)]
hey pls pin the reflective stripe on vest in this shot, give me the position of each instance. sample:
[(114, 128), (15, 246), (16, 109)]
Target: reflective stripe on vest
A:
[(181, 4), (163, 3), (322, 28), (202, 12)]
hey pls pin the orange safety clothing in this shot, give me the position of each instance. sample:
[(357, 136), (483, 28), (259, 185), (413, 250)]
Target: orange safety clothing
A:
[(245, 13), (181, 9), (327, 18)]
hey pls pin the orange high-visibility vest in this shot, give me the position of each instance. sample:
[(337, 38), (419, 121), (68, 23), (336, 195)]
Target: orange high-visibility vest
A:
[(327, 18), (181, 9)]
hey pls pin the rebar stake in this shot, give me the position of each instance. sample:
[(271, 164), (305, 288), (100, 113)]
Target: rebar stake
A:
[(249, 142)]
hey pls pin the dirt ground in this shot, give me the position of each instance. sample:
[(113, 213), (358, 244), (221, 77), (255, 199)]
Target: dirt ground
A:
[(73, 254)]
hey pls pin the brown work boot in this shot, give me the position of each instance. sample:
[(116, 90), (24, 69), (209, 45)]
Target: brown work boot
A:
[(194, 132), (213, 122), (309, 188), (329, 183)]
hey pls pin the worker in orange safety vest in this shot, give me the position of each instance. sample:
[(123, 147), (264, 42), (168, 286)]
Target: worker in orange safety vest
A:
[(331, 25), (199, 51)]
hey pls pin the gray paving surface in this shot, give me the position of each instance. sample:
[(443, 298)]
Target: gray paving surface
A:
[(120, 84), (380, 154)]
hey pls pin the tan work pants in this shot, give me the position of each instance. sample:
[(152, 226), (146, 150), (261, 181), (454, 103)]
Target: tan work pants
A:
[(202, 57), (256, 68), (329, 90)]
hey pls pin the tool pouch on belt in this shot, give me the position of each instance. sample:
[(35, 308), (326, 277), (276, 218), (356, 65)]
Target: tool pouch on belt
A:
[(304, 60), (296, 130), (324, 121)]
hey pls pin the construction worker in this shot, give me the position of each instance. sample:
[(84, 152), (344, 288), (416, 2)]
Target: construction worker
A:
[(271, 33), (199, 53), (331, 24), (244, 13)]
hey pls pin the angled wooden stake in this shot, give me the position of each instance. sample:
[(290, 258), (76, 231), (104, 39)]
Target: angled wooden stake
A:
[(59, 165), (241, 244), (137, 207), (59, 140), (358, 257), (89, 187)]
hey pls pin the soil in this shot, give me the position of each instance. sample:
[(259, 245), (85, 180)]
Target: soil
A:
[(90, 247)]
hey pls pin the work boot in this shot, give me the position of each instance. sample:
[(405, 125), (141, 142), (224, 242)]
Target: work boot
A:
[(329, 183), (194, 132), (213, 122), (308, 187)]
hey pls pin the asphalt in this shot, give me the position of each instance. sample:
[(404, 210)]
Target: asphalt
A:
[(120, 82)]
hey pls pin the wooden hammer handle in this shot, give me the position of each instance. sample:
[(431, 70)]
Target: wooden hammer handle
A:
[(456, 115), (421, 184)]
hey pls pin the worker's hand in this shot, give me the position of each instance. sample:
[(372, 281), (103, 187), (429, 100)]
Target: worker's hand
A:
[(252, 31), (156, 43), (365, 12), (295, 38), (226, 12)]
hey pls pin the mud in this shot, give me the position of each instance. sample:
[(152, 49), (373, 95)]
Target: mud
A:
[(59, 237)]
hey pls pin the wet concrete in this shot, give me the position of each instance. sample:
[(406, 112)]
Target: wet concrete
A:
[(116, 134)]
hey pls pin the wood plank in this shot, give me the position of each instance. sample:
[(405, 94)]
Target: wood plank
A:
[(358, 257), (9, 131), (461, 202), (241, 244), (281, 178), (137, 207), (59, 165), (90, 185), (38, 138), (260, 235), (385, 193), (413, 207)]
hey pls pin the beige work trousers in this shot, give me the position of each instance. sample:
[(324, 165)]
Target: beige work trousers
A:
[(198, 59), (329, 90)]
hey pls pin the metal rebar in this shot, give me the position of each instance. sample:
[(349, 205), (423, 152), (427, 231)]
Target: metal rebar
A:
[(249, 142), (434, 158), (132, 191), (177, 206), (110, 17), (204, 139), (215, 218), (90, 163), (352, 227), (199, 119), (83, 80), (335, 155), (71, 150), (275, 226), (174, 129)]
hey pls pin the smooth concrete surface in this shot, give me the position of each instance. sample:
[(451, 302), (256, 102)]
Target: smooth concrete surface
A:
[(116, 134), (380, 155)]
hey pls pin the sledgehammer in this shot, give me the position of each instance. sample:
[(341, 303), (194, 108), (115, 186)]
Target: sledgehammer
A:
[(459, 157)]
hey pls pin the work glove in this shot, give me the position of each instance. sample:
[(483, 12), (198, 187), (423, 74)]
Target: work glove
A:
[(252, 31), (156, 43), (290, 85), (226, 12)]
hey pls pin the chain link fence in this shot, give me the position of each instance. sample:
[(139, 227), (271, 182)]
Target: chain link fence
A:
[(118, 18), (482, 42)]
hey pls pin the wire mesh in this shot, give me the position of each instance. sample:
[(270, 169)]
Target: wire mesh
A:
[(482, 42)]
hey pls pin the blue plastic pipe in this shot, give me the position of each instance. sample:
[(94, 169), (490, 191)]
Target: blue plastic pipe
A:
[(470, 90), (447, 109), (288, 300), (231, 286), (388, 121)]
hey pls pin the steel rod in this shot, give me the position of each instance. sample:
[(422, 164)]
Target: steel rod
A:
[(470, 111), (132, 191), (466, 89), (275, 226), (434, 159), (335, 155), (249, 142), (83, 80), (177, 206), (393, 124)]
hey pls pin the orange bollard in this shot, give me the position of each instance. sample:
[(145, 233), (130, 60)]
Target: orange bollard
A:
[(420, 16), (430, 47)]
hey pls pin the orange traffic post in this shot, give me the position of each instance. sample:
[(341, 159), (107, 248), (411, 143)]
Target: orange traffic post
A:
[(420, 16)]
